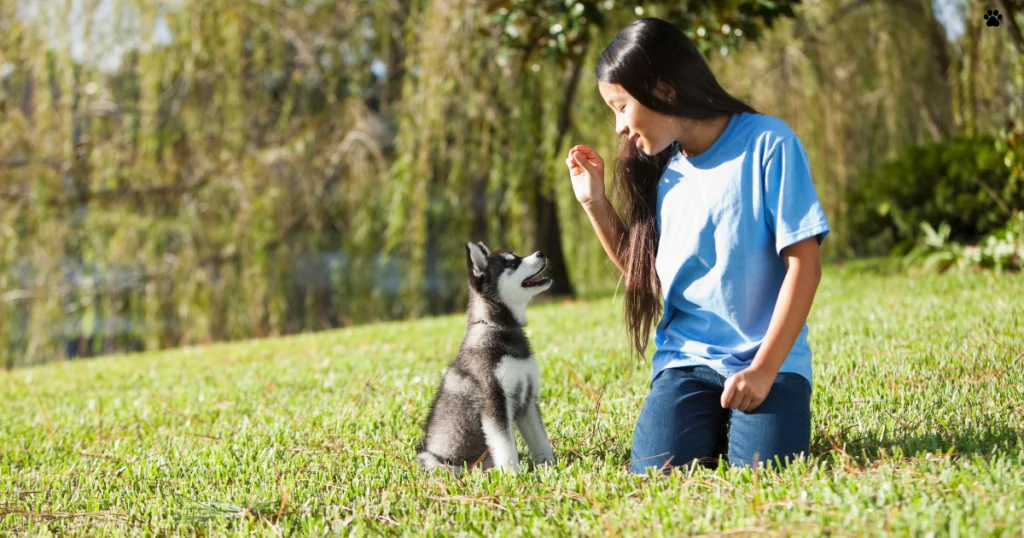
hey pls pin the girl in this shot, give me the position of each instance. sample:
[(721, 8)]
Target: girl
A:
[(723, 236)]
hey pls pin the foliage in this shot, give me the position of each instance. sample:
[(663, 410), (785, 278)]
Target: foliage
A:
[(916, 431), (191, 188), (962, 182), (1002, 250), (561, 28)]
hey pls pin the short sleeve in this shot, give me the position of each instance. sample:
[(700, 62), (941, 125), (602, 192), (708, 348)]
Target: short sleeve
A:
[(792, 208)]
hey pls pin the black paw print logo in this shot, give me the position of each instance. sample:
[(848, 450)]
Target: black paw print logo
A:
[(992, 17)]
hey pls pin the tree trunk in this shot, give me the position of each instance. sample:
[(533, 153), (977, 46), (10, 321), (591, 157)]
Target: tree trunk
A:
[(1010, 20), (973, 51), (548, 230), (939, 120)]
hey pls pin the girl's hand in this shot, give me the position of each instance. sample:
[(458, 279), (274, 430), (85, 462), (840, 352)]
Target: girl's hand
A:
[(746, 390), (586, 169)]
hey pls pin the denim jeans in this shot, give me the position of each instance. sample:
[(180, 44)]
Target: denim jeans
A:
[(683, 420)]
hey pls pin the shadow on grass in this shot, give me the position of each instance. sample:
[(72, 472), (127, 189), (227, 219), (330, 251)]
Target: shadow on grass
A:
[(866, 448), (856, 448)]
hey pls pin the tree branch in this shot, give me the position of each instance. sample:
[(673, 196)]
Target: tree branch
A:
[(121, 194), (114, 194), (801, 28), (1011, 21), (18, 162)]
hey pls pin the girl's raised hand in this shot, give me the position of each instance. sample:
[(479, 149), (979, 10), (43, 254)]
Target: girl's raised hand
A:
[(586, 170)]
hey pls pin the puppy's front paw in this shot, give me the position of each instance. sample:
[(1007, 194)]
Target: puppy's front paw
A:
[(546, 460)]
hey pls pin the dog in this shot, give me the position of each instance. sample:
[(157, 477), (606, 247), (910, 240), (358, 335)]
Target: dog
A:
[(493, 381)]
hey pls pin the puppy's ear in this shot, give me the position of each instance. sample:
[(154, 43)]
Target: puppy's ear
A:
[(483, 247), (476, 260)]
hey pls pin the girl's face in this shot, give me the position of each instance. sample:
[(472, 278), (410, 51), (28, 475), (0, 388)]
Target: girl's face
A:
[(650, 131)]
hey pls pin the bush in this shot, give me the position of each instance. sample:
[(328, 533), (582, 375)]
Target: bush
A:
[(964, 182), (1002, 250)]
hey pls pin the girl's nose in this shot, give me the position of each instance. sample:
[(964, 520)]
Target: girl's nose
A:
[(620, 128)]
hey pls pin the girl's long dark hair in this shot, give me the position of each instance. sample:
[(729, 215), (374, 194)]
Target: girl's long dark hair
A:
[(645, 52)]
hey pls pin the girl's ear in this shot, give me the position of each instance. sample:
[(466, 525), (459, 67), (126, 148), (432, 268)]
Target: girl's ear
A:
[(664, 92)]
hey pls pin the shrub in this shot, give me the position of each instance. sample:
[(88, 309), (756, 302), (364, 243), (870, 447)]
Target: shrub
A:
[(963, 182)]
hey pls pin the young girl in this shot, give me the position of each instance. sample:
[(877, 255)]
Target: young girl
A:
[(723, 236)]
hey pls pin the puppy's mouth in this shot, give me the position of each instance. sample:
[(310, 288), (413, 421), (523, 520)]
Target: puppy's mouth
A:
[(538, 279)]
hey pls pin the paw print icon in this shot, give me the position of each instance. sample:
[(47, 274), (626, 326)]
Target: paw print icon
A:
[(993, 17)]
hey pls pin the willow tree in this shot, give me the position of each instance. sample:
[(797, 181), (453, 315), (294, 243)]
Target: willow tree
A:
[(177, 174)]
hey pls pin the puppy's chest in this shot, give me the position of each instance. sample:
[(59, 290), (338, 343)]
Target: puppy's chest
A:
[(520, 380)]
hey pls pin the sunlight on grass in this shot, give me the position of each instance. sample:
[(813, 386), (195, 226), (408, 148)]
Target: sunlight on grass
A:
[(918, 414)]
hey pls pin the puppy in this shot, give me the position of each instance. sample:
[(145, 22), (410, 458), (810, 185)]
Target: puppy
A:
[(493, 382)]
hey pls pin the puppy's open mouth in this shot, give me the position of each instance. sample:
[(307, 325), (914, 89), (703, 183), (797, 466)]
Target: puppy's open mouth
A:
[(538, 279)]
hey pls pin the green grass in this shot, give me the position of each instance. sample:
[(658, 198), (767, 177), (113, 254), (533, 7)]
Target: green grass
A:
[(917, 411)]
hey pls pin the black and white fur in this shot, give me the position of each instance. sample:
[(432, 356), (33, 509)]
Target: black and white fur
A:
[(493, 383)]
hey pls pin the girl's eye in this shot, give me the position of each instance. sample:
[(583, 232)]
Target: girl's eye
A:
[(622, 108)]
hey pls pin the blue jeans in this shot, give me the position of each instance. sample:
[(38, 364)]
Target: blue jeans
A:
[(683, 420)]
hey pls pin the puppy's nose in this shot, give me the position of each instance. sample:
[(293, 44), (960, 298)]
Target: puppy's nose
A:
[(539, 255)]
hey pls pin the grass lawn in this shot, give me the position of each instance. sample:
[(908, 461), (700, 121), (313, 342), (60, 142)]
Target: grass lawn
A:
[(917, 429)]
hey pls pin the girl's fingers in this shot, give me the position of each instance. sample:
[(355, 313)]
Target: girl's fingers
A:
[(585, 157), (578, 159), (728, 394), (748, 402)]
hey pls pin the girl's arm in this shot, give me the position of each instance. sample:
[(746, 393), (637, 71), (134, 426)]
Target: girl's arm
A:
[(586, 170), (608, 226)]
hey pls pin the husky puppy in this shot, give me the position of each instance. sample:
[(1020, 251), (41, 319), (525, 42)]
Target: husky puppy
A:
[(493, 382)]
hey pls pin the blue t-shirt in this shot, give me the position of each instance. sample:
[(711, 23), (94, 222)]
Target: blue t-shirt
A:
[(724, 217)]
